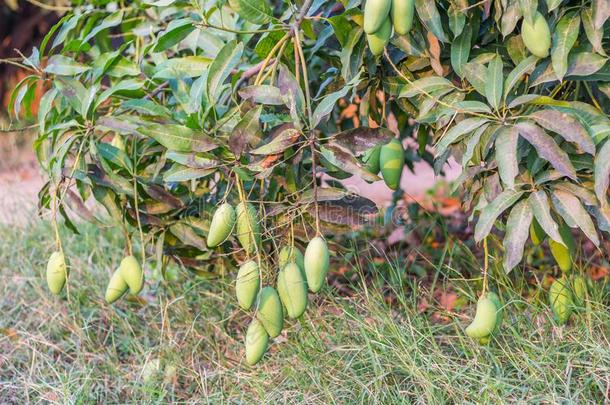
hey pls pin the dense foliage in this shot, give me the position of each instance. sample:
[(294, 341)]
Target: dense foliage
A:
[(163, 110)]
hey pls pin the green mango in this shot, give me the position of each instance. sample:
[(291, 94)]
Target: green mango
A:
[(247, 284), (256, 342), (560, 298), (292, 289), (537, 36), (371, 159), (378, 40), (290, 254), (116, 287), (317, 262), (402, 15), (579, 290), (376, 13), (222, 225), (392, 161), (57, 272), (499, 309), (270, 312), (132, 273), (248, 228), (562, 255), (537, 234), (485, 319)]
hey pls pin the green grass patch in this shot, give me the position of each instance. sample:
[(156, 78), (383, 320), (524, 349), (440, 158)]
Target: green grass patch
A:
[(184, 340)]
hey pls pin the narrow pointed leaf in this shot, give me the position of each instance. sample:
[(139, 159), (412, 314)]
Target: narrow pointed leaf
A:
[(567, 126), (564, 38), (517, 232), (493, 210), (573, 212), (494, 82), (539, 201), (506, 155)]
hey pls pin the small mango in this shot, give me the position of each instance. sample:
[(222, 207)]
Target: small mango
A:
[(562, 255), (371, 159), (376, 14), (222, 225), (560, 299), (270, 312), (292, 289), (485, 319), (537, 234), (291, 254), (402, 15), (392, 161), (317, 262), (248, 228), (116, 287), (132, 273), (256, 342), (57, 272), (579, 290), (379, 39), (247, 284), (537, 36)]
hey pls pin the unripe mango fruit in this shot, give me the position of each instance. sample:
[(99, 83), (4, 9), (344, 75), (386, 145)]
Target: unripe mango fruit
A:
[(378, 40), (562, 255), (317, 261), (376, 14), (291, 254), (132, 273), (499, 309), (116, 287), (247, 284), (270, 312), (537, 234), (57, 272), (248, 228), (256, 342), (392, 161), (579, 288), (485, 319), (371, 159), (222, 225), (560, 298), (402, 15), (292, 289), (537, 36)]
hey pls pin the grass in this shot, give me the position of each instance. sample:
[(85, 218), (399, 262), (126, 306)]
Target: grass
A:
[(182, 341)]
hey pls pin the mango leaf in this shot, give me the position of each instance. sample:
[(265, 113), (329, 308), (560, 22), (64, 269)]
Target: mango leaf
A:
[(573, 212), (517, 232), (123, 85), (115, 155), (430, 17), (457, 19), (594, 35), (64, 66), (263, 94), (426, 85), (112, 20), (539, 202), (510, 18), (526, 66), (188, 236), (601, 12), (192, 160), (284, 139), (325, 107), (180, 68), (347, 162), (175, 32), (493, 210), (494, 82), (179, 138), (547, 148), (460, 49), (567, 126), (553, 4), (475, 73), (463, 127), (221, 67), (359, 140), (247, 132), (564, 38), (178, 173), (254, 11), (601, 174), (506, 155)]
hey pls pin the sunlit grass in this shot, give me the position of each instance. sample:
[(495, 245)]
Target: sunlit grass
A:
[(184, 339)]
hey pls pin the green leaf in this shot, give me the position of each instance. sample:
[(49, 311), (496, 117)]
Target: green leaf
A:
[(539, 202), (601, 174), (528, 9), (178, 173), (564, 38), (510, 18), (457, 19), (594, 35), (601, 12), (112, 20), (506, 155), (573, 212), (176, 31), (220, 69), (115, 155), (463, 127), (247, 132), (526, 66), (517, 232), (64, 66), (475, 73), (254, 11), (263, 94), (345, 161), (547, 148), (460, 49), (180, 68), (179, 138), (426, 85), (430, 17), (188, 236), (124, 85), (493, 82), (327, 104), (493, 210), (567, 126), (282, 141), (553, 4)]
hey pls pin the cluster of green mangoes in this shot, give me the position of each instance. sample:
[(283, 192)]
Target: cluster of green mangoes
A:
[(297, 274), (389, 158), (381, 15), (487, 319)]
